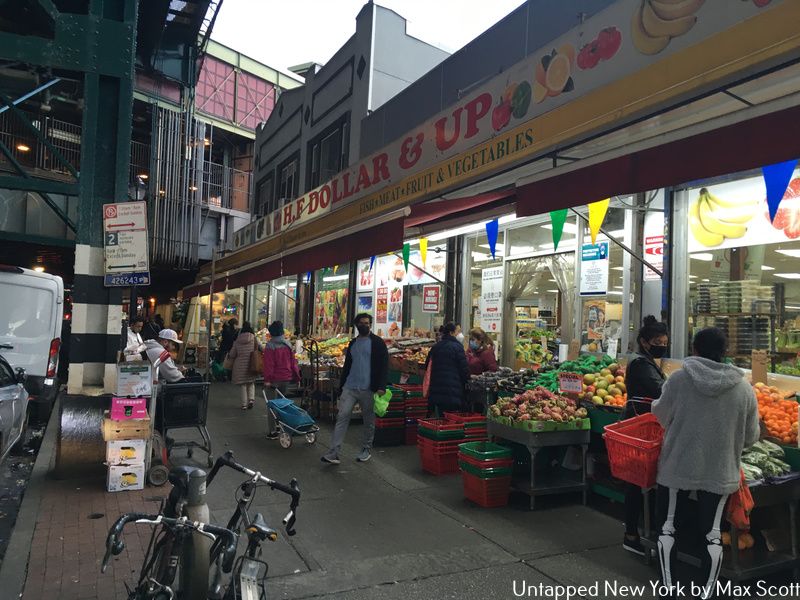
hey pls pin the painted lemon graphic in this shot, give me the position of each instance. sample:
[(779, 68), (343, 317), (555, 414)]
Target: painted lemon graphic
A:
[(554, 73), (557, 74)]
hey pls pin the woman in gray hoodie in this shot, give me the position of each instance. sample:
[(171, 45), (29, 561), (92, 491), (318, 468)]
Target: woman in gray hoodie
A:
[(709, 413)]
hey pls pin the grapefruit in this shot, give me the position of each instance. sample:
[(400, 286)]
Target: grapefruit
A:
[(557, 73)]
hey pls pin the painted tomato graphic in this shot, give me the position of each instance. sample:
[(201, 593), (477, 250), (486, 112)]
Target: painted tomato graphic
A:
[(788, 216)]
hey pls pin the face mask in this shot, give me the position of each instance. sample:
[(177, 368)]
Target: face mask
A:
[(658, 351), (362, 329), (474, 345)]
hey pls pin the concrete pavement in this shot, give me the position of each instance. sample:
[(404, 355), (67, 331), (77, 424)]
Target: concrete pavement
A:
[(383, 529)]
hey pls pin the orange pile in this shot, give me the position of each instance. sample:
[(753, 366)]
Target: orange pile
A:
[(618, 401), (778, 414)]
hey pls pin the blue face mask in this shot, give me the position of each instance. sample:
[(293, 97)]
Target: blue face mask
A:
[(473, 345)]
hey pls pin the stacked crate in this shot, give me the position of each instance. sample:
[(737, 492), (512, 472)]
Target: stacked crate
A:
[(438, 441), (474, 425), (486, 472), (390, 428), (416, 409)]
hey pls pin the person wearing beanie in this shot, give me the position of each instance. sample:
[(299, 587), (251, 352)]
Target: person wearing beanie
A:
[(280, 369)]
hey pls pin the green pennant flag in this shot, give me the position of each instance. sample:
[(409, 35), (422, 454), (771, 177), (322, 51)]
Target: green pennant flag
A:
[(406, 254), (557, 219)]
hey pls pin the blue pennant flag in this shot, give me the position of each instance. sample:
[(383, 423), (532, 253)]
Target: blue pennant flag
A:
[(492, 227), (371, 262), (777, 178), (308, 277)]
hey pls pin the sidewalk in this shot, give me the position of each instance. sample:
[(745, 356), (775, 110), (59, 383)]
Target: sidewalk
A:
[(383, 529)]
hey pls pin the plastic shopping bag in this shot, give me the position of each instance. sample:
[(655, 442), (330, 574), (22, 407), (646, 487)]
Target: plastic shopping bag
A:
[(382, 402)]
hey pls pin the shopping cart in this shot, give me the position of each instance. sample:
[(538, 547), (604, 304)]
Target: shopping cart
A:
[(184, 406), (291, 420)]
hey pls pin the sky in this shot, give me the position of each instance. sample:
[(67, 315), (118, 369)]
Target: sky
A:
[(283, 33)]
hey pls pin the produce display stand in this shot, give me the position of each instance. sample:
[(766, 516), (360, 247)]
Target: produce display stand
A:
[(562, 483)]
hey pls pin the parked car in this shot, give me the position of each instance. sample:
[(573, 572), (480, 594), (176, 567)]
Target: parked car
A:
[(31, 315), (13, 407)]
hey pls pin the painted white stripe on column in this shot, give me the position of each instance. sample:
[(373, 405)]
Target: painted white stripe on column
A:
[(110, 379), (88, 260), (75, 381), (114, 320)]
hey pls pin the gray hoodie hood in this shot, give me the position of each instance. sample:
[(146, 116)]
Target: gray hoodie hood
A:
[(711, 378)]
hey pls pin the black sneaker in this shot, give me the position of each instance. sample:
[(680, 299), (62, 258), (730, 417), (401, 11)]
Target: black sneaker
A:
[(633, 546), (330, 458), (273, 435)]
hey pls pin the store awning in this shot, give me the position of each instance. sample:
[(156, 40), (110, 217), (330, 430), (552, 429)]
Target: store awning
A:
[(439, 209), (760, 141)]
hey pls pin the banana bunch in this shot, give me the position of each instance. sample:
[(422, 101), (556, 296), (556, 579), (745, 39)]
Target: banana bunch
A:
[(712, 219), (656, 22)]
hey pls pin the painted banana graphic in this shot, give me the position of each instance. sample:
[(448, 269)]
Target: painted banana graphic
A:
[(700, 233), (656, 22), (714, 224), (669, 11), (644, 42), (731, 212)]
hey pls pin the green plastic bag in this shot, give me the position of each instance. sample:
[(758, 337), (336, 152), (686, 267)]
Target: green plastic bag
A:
[(382, 402)]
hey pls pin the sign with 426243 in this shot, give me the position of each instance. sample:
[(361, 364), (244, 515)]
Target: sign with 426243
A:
[(125, 244)]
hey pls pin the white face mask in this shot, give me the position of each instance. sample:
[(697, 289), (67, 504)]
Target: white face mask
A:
[(460, 337)]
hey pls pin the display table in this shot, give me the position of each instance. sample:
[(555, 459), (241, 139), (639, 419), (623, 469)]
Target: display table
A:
[(564, 481), (758, 562)]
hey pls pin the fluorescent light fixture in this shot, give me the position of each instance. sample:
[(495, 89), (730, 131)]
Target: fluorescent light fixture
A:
[(280, 287), (788, 275), (618, 287), (192, 188), (692, 276), (143, 176), (553, 291), (617, 268), (614, 293), (468, 229), (704, 256), (767, 268), (792, 307), (793, 252), (705, 280), (568, 227), (335, 277)]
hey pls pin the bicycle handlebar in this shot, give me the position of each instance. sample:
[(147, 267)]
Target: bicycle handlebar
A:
[(293, 489), (115, 545)]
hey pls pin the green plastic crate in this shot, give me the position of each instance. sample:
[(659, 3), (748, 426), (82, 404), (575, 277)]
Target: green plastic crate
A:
[(485, 473), (485, 450), (441, 435), (792, 457)]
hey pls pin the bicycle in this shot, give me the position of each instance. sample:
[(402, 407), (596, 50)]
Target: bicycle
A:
[(158, 584), (249, 572)]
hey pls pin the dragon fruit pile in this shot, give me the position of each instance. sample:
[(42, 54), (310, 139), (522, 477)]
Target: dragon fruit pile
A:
[(538, 404)]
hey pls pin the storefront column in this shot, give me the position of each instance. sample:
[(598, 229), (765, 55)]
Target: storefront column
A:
[(679, 283), (577, 325), (627, 265), (452, 308)]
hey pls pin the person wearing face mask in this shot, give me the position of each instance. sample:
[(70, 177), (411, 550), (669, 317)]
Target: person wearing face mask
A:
[(480, 354), (459, 334), (643, 382), (365, 373)]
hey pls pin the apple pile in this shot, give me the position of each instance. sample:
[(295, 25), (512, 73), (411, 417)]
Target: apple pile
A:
[(606, 387), (538, 404)]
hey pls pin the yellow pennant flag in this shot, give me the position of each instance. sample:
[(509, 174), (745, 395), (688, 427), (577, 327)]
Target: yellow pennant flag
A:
[(335, 268), (423, 250), (597, 214)]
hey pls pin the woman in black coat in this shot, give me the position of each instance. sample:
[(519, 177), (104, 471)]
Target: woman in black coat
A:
[(449, 373)]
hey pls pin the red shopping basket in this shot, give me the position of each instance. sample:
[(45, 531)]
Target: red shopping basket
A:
[(489, 493), (634, 446)]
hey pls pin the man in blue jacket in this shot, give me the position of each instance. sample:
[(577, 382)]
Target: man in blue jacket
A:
[(366, 369)]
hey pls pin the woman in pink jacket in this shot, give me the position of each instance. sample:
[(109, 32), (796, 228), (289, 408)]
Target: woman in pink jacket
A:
[(280, 368)]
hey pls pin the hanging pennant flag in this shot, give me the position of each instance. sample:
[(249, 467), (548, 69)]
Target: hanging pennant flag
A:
[(557, 219), (308, 277), (423, 250), (335, 268), (777, 178), (597, 214), (371, 262), (406, 254), (492, 227)]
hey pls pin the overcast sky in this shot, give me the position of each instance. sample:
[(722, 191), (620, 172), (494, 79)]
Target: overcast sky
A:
[(283, 33)]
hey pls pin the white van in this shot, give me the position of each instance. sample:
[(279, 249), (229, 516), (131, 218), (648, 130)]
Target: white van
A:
[(31, 313)]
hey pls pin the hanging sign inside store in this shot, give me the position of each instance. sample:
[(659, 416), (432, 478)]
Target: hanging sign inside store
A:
[(382, 306), (612, 348), (654, 254), (430, 298), (492, 299), (570, 383), (125, 244), (366, 276), (594, 269)]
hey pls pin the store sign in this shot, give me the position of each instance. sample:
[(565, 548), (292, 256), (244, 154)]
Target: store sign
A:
[(491, 305), (735, 215), (497, 123), (366, 276), (431, 298), (594, 269), (570, 383), (654, 254), (125, 244), (382, 306)]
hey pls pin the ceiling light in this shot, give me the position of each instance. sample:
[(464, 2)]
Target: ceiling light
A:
[(23, 148), (553, 291), (192, 188), (788, 275), (705, 280), (704, 256), (617, 268), (335, 278), (468, 229), (692, 276), (206, 142), (793, 252), (142, 176), (38, 268), (787, 307), (767, 268)]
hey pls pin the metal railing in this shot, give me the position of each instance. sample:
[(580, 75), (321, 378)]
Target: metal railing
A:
[(222, 187), (30, 152)]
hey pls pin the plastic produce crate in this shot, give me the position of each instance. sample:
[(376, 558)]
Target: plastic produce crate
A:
[(489, 493), (634, 446), (484, 473), (486, 451), (496, 463), (439, 464)]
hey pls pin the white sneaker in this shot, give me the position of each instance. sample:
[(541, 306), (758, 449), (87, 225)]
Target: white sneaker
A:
[(364, 455)]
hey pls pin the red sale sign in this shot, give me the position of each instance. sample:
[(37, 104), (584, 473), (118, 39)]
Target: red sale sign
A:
[(430, 298)]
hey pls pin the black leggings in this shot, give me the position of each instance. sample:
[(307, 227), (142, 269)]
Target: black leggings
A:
[(704, 530), (634, 506)]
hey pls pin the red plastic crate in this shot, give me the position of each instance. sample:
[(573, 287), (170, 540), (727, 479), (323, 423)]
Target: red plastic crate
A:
[(634, 446), (389, 423), (411, 434), (440, 425), (407, 387), (439, 465), (438, 447), (489, 493), (462, 417), (492, 463)]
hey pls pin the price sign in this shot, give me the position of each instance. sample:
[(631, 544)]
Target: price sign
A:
[(570, 383), (612, 348)]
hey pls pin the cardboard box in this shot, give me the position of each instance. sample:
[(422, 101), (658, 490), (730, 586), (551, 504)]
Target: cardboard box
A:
[(125, 477), (135, 379), (120, 452), (128, 408), (130, 429)]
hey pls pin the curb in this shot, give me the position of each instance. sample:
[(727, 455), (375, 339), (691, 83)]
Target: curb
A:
[(14, 569)]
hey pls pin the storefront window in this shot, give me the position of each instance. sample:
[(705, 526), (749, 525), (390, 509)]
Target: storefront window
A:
[(284, 301), (425, 289), (486, 276), (743, 269), (258, 310), (330, 302)]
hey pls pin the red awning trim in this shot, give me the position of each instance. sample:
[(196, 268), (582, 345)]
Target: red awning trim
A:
[(431, 211), (764, 140)]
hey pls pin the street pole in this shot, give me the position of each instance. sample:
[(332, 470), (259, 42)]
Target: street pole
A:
[(211, 304)]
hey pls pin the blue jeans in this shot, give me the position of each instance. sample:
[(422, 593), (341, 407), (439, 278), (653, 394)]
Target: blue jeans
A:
[(347, 401)]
